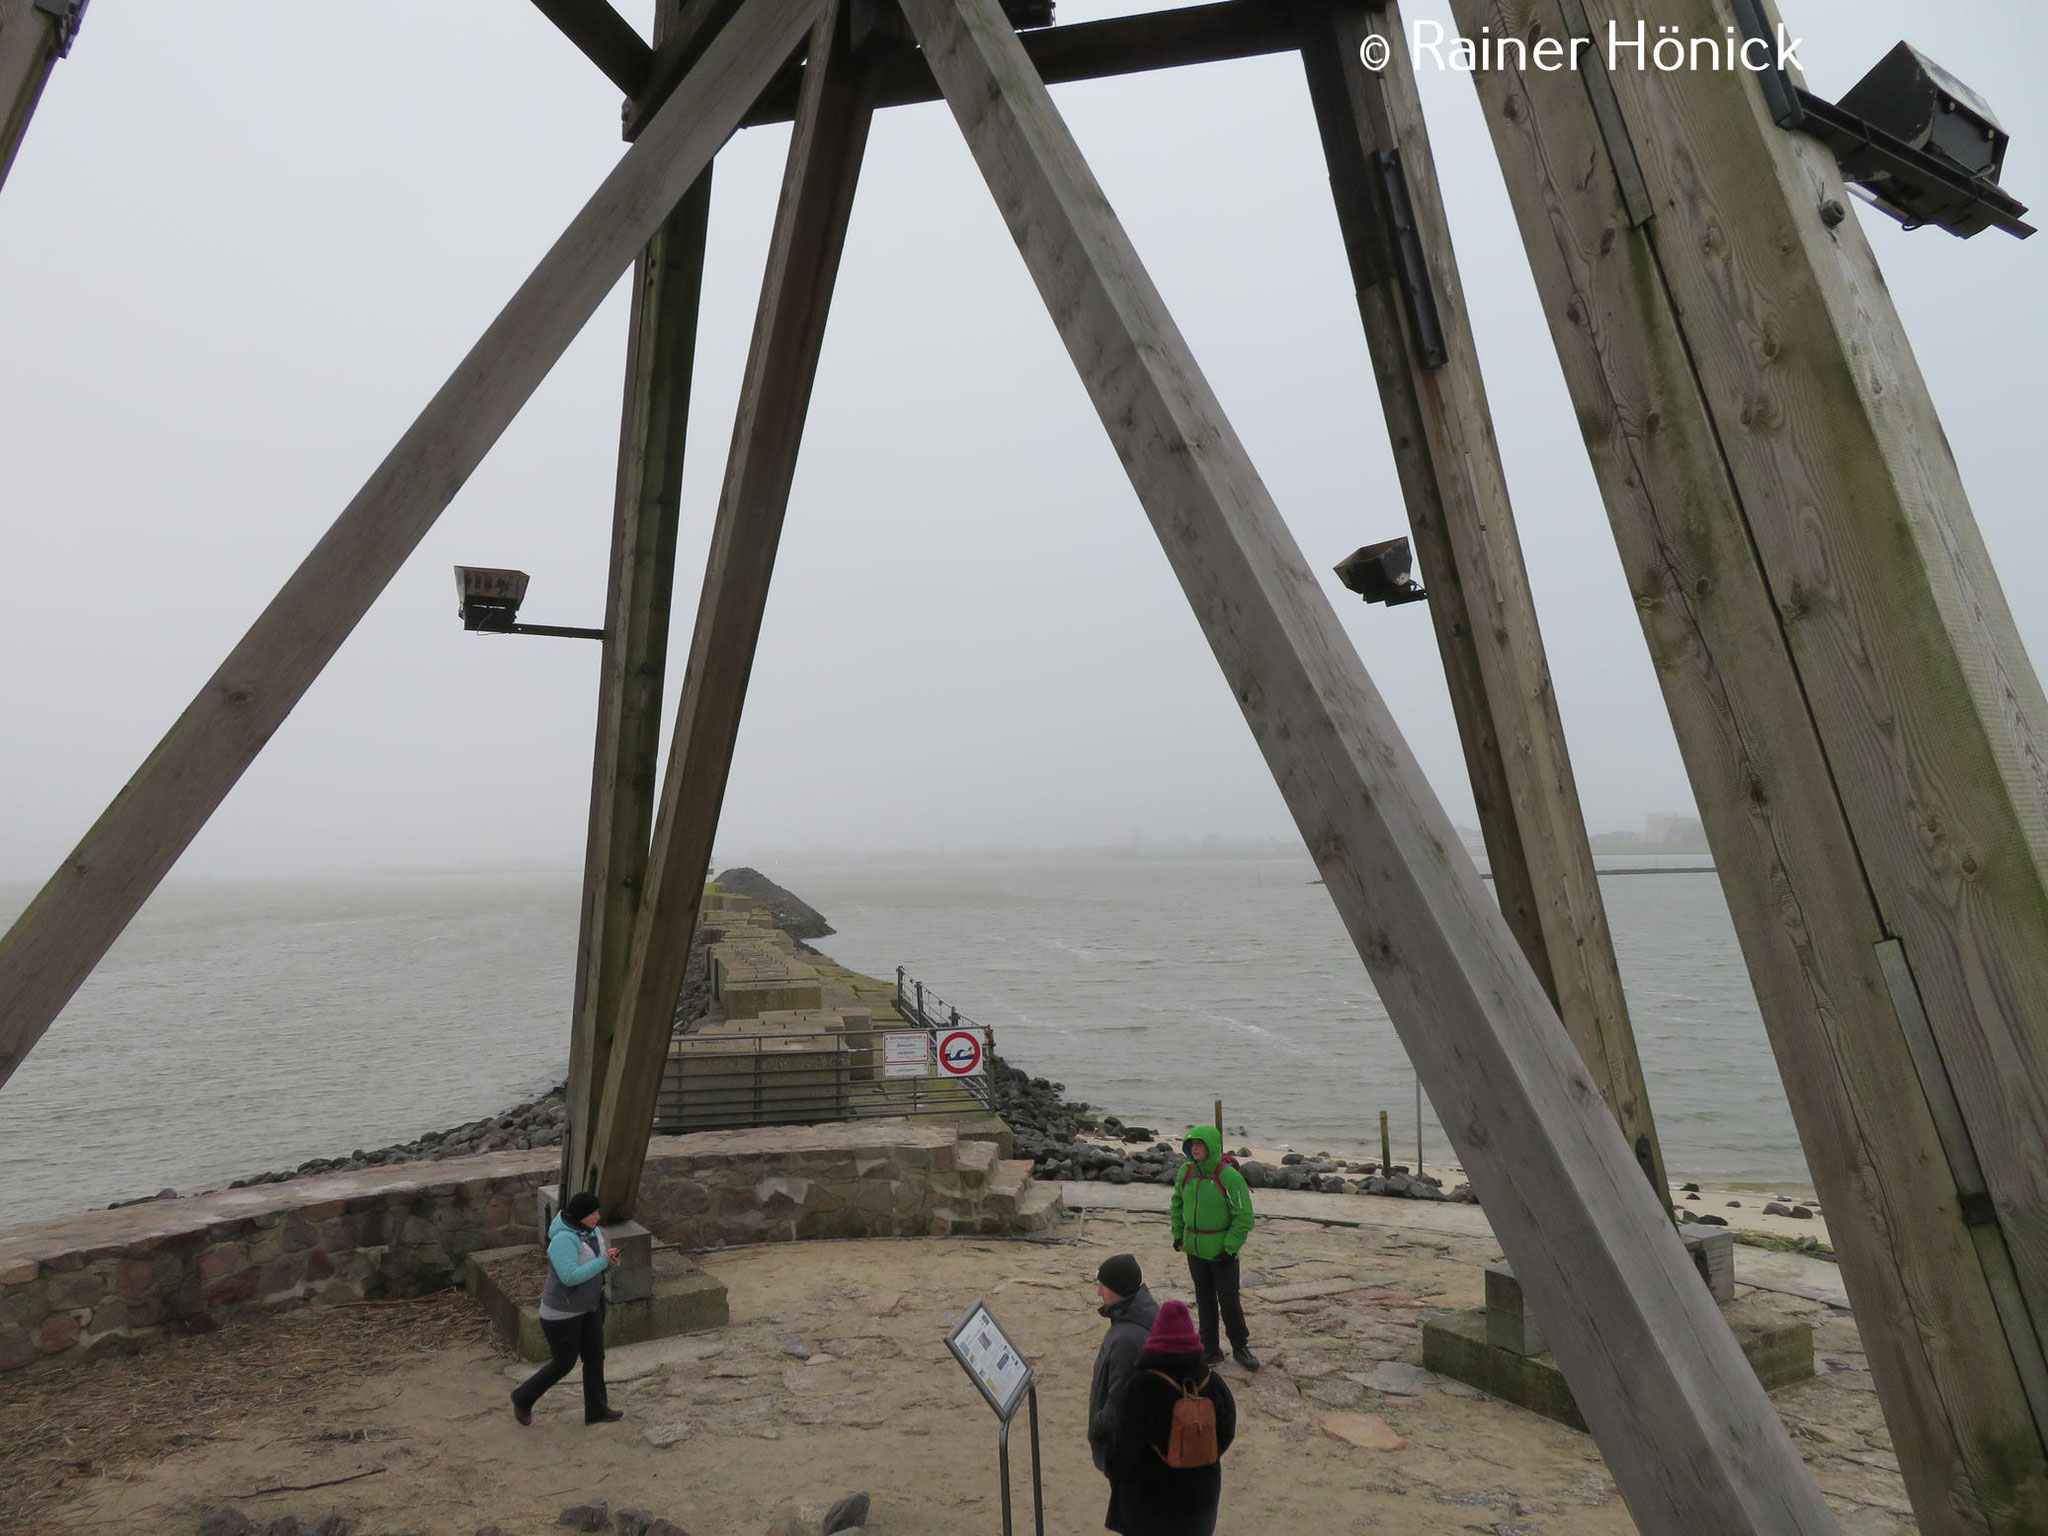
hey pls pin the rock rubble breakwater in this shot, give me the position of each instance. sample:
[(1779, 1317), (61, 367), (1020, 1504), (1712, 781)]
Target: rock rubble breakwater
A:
[(1065, 1139)]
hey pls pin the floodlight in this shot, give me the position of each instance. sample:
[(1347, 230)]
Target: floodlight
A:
[(1381, 573), (490, 604), (1908, 101), (1917, 143)]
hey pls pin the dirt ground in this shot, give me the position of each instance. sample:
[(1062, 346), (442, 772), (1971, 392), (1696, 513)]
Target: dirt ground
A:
[(401, 1411)]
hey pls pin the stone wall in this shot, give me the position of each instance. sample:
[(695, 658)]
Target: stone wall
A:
[(115, 1279)]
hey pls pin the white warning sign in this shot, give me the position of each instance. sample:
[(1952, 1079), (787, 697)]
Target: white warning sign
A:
[(906, 1053)]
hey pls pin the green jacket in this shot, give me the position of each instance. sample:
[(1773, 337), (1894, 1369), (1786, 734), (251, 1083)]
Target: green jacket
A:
[(1210, 1222)]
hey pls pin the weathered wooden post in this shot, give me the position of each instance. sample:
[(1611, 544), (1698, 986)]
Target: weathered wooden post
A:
[(626, 765), (826, 148), (1693, 1441), (1865, 736), (1398, 240)]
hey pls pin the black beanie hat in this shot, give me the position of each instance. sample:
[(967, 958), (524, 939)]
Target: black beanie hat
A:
[(580, 1205), (1121, 1274)]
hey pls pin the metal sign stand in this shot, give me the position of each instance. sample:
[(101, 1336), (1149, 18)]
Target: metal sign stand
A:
[(1006, 1382)]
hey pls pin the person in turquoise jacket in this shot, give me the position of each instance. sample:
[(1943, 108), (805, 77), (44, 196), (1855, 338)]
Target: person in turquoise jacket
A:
[(1212, 1217), (572, 1311)]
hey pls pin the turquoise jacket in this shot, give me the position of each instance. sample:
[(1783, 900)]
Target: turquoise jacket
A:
[(1212, 1204), (565, 1252)]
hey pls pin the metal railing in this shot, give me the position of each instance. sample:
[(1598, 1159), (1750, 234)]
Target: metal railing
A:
[(927, 1010), (732, 1081)]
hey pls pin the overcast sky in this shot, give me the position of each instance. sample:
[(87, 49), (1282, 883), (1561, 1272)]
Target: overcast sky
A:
[(244, 242)]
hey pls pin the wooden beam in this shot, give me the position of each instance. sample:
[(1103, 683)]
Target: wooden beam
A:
[(825, 152), (626, 766), (1464, 525), (676, 53), (1093, 50), (1692, 1440), (31, 41), (57, 941), (1863, 733), (606, 38)]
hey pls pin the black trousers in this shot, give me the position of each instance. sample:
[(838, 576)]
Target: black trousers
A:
[(571, 1338), (1216, 1290)]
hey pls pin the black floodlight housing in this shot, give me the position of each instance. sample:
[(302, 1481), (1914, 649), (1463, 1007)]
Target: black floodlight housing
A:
[(1913, 98), (1910, 100), (490, 599), (1028, 13), (1919, 144), (1382, 573), (490, 604)]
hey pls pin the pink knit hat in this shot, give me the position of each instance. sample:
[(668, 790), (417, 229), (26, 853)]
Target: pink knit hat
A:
[(1173, 1332)]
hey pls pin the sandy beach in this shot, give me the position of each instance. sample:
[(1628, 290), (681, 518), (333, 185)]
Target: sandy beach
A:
[(400, 1410)]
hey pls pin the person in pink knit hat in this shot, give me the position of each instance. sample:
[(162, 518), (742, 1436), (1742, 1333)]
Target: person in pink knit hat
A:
[(1150, 1495)]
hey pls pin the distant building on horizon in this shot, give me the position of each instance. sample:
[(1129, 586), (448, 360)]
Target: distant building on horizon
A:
[(1661, 829), (1671, 827)]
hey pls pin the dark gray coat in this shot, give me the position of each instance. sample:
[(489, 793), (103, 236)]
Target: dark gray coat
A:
[(1130, 1323)]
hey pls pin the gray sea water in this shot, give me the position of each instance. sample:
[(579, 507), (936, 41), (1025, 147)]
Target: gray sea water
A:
[(246, 1025)]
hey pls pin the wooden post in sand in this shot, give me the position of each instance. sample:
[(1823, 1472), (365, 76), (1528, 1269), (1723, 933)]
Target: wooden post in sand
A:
[(626, 766), (1864, 733), (1693, 1441), (825, 154), (1383, 177)]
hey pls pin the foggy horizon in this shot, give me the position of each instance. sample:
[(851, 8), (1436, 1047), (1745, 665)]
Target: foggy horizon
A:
[(236, 284)]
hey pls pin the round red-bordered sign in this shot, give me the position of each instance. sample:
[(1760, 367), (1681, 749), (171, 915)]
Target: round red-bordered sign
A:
[(968, 1061)]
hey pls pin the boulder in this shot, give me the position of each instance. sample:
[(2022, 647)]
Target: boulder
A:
[(227, 1522), (849, 1514), (591, 1515)]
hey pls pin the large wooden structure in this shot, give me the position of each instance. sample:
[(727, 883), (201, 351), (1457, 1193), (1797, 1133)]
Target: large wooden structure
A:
[(1865, 737)]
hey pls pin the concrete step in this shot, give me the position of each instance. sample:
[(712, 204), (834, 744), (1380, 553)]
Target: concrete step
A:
[(1041, 1210), (974, 1162), (1006, 1189)]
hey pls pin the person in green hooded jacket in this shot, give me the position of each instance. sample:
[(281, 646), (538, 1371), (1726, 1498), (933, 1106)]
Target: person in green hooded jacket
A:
[(1212, 1216)]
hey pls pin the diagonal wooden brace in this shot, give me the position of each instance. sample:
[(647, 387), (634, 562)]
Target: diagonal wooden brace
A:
[(825, 152), (1441, 430), (1692, 1440), (625, 779), (54, 945)]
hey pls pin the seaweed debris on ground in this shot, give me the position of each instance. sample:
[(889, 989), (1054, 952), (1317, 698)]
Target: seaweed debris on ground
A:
[(62, 1430)]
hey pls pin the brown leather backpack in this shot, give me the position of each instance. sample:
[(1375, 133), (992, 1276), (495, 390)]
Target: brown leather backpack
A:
[(1192, 1440)]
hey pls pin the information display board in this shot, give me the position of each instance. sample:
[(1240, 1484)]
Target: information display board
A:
[(987, 1355)]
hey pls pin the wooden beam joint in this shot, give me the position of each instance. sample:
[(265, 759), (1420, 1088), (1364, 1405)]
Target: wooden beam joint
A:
[(606, 38)]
